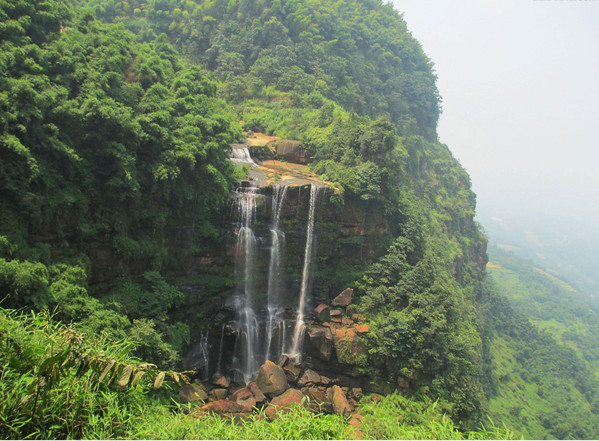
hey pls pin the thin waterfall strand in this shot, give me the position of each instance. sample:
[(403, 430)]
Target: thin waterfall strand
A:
[(299, 323), (274, 276)]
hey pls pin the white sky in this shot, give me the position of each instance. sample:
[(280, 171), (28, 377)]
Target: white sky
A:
[(520, 87)]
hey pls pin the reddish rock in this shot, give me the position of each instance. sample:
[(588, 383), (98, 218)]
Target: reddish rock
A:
[(323, 313), (362, 329), (356, 424), (283, 403), (346, 321), (256, 392), (344, 299), (292, 372), (271, 379), (222, 407), (337, 320), (221, 381), (219, 394), (334, 327), (335, 312), (347, 345), (192, 392), (326, 324), (325, 380), (338, 399), (309, 378), (244, 398)]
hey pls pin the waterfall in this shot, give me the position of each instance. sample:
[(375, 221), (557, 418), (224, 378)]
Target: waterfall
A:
[(219, 361), (274, 269), (299, 323), (242, 155), (245, 269), (204, 352)]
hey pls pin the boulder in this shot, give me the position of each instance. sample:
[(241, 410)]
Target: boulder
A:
[(237, 378), (339, 401), (292, 372), (309, 378), (283, 361), (319, 402), (192, 392), (337, 320), (221, 381), (245, 398), (320, 342), (335, 312), (271, 379), (219, 394), (323, 313), (344, 299), (283, 403), (257, 393), (346, 321), (223, 407)]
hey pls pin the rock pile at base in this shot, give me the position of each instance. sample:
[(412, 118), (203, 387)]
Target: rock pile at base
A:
[(333, 339)]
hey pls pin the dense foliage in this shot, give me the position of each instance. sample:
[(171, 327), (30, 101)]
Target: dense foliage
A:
[(115, 123), (541, 386), (44, 396)]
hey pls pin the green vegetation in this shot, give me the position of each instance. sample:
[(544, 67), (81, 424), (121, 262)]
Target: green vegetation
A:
[(115, 124), (47, 394), (551, 303), (538, 387)]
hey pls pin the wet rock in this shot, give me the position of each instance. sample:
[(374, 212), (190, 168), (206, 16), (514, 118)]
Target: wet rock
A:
[(292, 372), (271, 379), (192, 392), (344, 299), (338, 399), (323, 313), (221, 381), (283, 403), (258, 395), (237, 378), (309, 378), (219, 394), (320, 342), (283, 361)]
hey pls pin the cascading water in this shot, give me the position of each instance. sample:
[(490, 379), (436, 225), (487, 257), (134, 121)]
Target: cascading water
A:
[(274, 308), (245, 269), (263, 330), (295, 352), (242, 155)]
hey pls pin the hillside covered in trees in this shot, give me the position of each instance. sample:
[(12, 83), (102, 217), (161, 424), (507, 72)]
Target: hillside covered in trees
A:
[(118, 217)]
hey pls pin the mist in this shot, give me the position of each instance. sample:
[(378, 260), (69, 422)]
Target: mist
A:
[(520, 106)]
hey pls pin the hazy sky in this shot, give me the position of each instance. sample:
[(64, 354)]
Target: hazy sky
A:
[(520, 87)]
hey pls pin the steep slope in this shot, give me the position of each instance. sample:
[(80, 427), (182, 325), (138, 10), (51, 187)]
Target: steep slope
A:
[(116, 180)]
